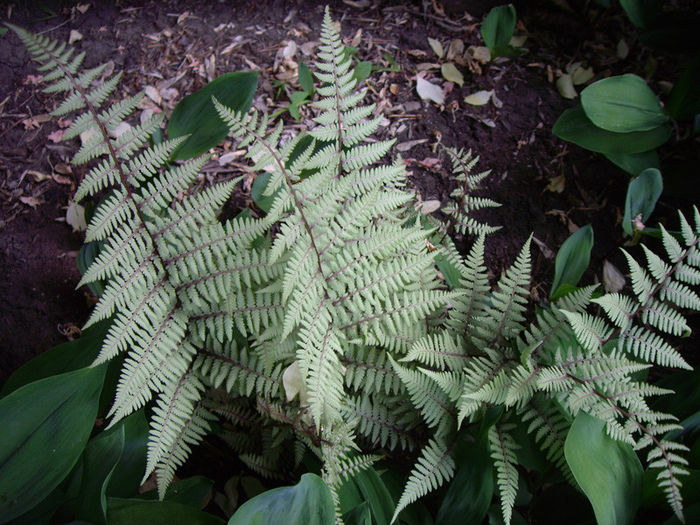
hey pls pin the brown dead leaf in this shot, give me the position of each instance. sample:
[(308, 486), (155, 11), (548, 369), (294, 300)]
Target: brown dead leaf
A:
[(74, 36), (56, 136), (35, 121), (37, 175), (394, 89), (182, 17), (34, 80), (30, 201), (62, 179), (82, 8), (557, 184), (63, 169)]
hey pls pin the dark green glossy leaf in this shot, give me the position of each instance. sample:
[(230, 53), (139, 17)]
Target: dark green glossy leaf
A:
[(65, 357), (306, 80), (360, 515), (373, 491), (127, 475), (257, 191), (642, 13), (309, 502), (684, 101), (622, 104), (46, 425), (87, 254), (498, 26), (100, 458), (573, 125), (136, 511), (642, 194), (608, 471), (194, 492), (196, 116), (572, 260), (469, 495), (634, 163), (675, 31)]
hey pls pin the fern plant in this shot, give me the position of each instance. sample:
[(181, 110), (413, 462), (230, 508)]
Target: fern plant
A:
[(325, 324)]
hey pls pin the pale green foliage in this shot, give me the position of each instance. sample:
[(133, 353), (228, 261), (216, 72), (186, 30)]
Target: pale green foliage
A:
[(568, 359), (339, 281)]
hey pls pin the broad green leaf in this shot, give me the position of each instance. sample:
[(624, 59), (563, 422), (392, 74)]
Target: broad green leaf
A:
[(127, 475), (684, 101), (608, 471), (257, 191), (642, 13), (469, 495), (448, 270), (194, 492), (362, 71), (46, 425), (498, 26), (65, 357), (309, 502), (572, 260), (622, 104), (196, 116), (634, 163), (360, 515), (642, 194), (306, 80), (137, 511), (100, 458), (87, 254), (573, 125)]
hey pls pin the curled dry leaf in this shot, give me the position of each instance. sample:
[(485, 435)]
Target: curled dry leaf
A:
[(581, 75), (74, 36), (565, 86), (557, 184), (153, 94), (30, 201), (405, 146), (75, 216), (480, 53), (613, 280), (429, 91)]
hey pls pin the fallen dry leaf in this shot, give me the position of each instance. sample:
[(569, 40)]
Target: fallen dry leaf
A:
[(82, 8), (74, 36), (480, 98), (436, 46), (153, 94), (557, 184), (451, 73), (62, 179), (405, 146), (37, 175), (75, 216), (565, 86), (56, 136), (613, 280), (430, 206), (30, 201), (429, 91)]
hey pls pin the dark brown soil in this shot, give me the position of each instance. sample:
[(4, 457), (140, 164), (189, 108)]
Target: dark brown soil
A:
[(156, 41)]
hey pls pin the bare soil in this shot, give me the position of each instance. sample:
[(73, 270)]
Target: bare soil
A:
[(546, 187)]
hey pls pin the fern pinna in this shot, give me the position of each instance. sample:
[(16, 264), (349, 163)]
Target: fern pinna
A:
[(324, 323)]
